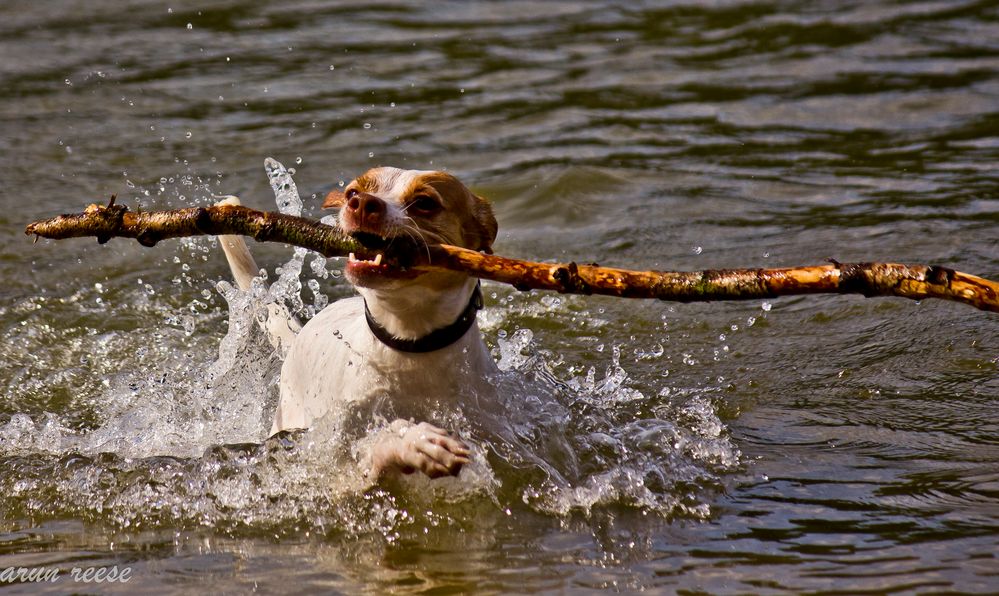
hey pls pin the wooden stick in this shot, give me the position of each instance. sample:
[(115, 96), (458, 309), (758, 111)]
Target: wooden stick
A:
[(870, 279), (110, 221)]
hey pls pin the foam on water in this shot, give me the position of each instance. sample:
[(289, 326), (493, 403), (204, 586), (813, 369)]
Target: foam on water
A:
[(604, 442), (182, 440)]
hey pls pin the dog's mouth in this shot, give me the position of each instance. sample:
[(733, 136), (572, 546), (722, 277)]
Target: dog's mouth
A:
[(387, 257), (371, 241)]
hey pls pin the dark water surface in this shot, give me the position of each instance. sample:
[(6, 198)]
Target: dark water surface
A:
[(822, 444)]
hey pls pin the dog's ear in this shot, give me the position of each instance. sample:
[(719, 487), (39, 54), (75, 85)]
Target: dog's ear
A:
[(487, 226), (335, 199)]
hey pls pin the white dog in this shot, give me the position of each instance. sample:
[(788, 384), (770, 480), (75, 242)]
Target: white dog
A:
[(410, 338)]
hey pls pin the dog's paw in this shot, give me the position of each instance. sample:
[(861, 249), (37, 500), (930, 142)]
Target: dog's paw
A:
[(426, 448)]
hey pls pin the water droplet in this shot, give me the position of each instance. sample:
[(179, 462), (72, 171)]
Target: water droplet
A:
[(697, 250), (367, 125), (190, 26), (188, 135), (69, 82), (332, 67), (392, 105), (371, 153), (766, 306), (298, 160), (462, 90)]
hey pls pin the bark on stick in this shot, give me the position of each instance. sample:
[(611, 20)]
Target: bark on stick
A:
[(870, 279), (111, 221)]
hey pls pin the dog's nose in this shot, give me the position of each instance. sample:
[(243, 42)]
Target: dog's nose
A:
[(366, 209)]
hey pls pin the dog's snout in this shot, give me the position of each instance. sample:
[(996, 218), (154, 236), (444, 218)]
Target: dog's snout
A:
[(366, 209)]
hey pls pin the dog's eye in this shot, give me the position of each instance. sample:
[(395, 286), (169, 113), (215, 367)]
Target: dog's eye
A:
[(424, 205), (351, 193)]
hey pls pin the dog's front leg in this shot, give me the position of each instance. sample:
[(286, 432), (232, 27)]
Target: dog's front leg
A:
[(408, 447)]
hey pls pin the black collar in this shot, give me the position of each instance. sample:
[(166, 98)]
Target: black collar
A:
[(436, 339)]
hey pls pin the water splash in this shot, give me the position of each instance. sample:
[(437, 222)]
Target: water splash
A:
[(285, 191), (605, 443), (183, 439)]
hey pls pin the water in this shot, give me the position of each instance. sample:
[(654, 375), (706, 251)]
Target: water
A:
[(798, 445)]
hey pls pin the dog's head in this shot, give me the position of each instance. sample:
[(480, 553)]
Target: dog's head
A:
[(388, 209)]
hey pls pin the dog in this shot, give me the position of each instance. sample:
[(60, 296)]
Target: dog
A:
[(410, 338)]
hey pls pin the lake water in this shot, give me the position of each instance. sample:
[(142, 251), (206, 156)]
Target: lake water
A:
[(823, 444)]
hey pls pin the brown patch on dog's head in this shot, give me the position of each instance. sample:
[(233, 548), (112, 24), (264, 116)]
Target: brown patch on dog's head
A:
[(437, 203), (334, 199), (465, 218), (490, 227)]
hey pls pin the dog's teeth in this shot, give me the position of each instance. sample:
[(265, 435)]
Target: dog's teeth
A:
[(351, 257), (378, 259)]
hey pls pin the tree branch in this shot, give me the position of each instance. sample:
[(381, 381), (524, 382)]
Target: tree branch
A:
[(870, 279), (111, 221)]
